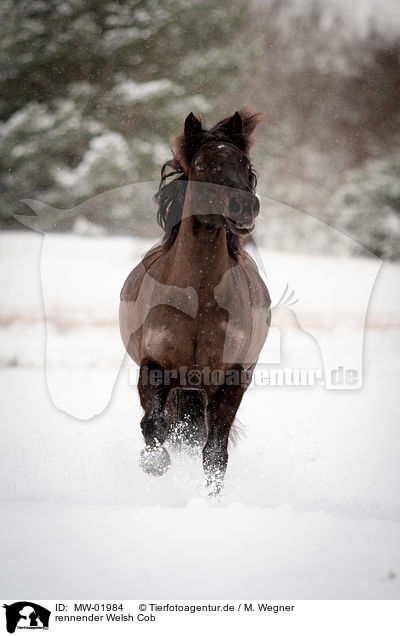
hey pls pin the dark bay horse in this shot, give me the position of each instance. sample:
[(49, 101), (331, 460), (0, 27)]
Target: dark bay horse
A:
[(195, 312)]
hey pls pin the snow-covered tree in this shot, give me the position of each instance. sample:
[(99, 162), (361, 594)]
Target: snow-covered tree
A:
[(90, 93), (367, 205)]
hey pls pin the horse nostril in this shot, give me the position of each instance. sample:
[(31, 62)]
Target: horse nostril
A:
[(235, 206), (256, 207)]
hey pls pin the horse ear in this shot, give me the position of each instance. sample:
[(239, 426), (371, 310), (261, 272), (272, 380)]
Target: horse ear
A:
[(184, 145), (192, 125), (234, 125)]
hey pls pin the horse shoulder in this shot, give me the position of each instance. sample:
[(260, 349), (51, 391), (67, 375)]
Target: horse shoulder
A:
[(259, 295), (132, 285)]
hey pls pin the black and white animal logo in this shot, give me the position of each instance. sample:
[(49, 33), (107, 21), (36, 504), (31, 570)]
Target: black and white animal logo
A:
[(26, 615)]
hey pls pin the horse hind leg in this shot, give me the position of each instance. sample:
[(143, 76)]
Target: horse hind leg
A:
[(188, 430), (154, 458)]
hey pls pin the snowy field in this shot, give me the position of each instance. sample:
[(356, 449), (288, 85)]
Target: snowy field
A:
[(311, 506)]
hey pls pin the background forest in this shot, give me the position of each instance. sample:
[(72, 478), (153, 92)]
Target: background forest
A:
[(91, 93)]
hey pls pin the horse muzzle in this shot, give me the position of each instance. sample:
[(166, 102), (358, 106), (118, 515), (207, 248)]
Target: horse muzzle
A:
[(243, 208)]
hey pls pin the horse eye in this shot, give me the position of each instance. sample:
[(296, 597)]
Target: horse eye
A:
[(200, 166)]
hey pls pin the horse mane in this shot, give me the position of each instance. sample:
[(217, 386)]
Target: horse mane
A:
[(170, 197)]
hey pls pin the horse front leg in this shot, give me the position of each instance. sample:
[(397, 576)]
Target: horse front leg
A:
[(221, 412), (154, 458)]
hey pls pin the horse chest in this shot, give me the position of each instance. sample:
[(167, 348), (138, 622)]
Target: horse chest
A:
[(199, 325), (168, 336), (220, 335), (213, 338)]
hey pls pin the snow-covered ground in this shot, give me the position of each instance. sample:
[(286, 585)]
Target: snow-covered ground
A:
[(311, 506)]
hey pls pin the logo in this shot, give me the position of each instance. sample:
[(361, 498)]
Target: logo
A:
[(26, 615)]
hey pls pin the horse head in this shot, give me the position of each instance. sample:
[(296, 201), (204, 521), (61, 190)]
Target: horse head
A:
[(216, 162)]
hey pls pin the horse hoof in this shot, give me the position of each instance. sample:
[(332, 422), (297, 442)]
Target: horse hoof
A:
[(215, 487), (154, 460)]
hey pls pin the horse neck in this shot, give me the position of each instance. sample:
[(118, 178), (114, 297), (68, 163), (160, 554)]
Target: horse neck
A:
[(198, 248)]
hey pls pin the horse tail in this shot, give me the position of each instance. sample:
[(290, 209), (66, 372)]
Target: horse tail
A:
[(237, 432)]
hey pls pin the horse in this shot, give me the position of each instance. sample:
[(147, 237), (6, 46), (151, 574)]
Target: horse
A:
[(195, 313)]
